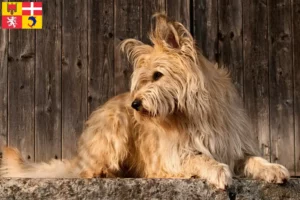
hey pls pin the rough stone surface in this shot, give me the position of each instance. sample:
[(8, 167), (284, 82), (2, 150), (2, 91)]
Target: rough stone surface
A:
[(143, 189)]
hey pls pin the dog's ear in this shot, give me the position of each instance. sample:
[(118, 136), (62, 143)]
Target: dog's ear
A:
[(134, 49), (162, 30), (166, 32)]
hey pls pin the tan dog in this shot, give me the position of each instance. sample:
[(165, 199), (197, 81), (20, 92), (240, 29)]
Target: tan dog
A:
[(182, 118)]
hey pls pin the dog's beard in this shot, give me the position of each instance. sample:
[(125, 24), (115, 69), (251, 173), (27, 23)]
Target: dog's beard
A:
[(158, 102)]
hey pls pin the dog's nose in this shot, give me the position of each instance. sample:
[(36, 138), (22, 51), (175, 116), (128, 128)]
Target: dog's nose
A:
[(136, 104)]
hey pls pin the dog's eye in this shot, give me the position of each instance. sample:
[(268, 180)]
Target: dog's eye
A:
[(157, 75)]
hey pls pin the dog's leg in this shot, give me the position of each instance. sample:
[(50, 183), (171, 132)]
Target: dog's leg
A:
[(259, 168), (202, 166), (103, 146)]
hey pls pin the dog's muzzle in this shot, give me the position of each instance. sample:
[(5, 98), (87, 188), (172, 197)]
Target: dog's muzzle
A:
[(136, 104)]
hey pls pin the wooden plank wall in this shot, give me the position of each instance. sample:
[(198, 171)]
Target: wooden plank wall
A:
[(296, 73), (256, 70), (52, 79), (21, 91), (3, 86), (74, 72), (281, 82), (48, 85)]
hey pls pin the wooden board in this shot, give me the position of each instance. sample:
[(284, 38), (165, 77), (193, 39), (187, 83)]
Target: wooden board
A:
[(296, 70), (230, 40), (281, 83), (127, 25), (21, 71), (256, 71), (48, 84), (74, 73), (148, 9), (100, 50), (205, 27), (3, 86), (179, 10)]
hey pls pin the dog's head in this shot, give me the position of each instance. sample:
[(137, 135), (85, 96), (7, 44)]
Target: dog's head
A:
[(165, 75)]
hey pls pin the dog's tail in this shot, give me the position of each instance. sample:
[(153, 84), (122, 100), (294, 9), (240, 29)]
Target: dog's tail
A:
[(13, 165)]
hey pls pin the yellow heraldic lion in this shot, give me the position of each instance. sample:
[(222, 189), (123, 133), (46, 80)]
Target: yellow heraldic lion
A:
[(182, 118)]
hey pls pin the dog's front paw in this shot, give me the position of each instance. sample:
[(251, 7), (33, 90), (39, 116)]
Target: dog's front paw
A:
[(220, 176), (274, 173)]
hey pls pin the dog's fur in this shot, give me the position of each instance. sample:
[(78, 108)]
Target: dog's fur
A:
[(187, 121)]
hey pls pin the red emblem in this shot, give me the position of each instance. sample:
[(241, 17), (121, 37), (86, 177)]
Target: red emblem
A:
[(11, 8)]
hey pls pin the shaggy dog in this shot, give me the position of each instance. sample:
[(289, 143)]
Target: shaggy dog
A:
[(182, 118)]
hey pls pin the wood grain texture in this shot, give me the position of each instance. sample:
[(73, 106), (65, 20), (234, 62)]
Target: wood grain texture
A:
[(296, 70), (101, 49), (21, 67), (74, 73), (48, 84), (256, 71), (205, 26), (127, 25), (148, 9), (281, 83), (179, 10), (3, 86), (231, 40)]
